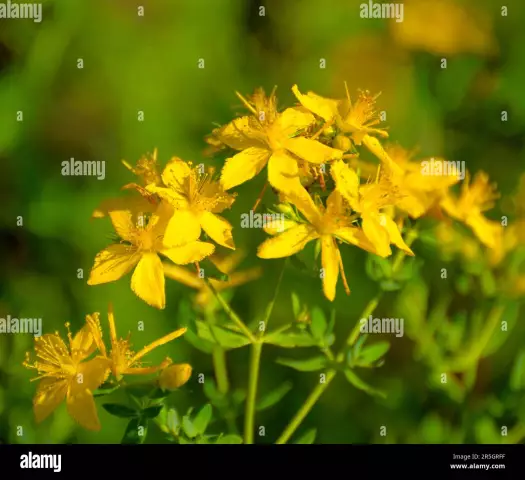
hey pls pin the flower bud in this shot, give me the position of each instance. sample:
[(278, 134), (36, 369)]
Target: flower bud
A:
[(285, 208), (174, 376), (328, 131), (342, 143)]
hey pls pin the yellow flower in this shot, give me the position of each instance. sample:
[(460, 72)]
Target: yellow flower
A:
[(224, 264), (475, 198), (368, 200), (147, 169), (65, 374), (326, 224), (196, 200), (358, 120), (271, 138), (418, 193), (174, 376), (143, 239), (122, 360)]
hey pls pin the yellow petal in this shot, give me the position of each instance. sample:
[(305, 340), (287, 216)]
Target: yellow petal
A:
[(183, 227), (113, 263), (312, 151), (283, 173), (287, 243), (122, 221), (377, 235), (240, 134), (293, 120), (83, 344), (172, 196), (218, 229), (90, 375), (330, 262), (148, 280), (175, 174), (183, 275), (377, 149), (394, 234), (190, 253), (83, 410), (50, 393), (346, 181), (157, 343), (488, 232), (356, 236), (174, 376), (325, 108), (243, 167)]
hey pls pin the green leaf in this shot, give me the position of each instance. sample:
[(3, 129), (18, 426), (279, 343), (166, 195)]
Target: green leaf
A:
[(378, 268), (211, 392), (202, 419), (136, 432), (152, 412), (486, 431), (199, 343), (226, 338), (140, 390), (158, 393), (183, 441), (308, 438), (173, 420), (510, 316), (105, 389), (361, 385), (188, 427), (291, 339), (229, 440), (274, 397), (309, 365), (121, 411), (319, 324), (212, 271), (372, 353), (517, 376), (296, 305)]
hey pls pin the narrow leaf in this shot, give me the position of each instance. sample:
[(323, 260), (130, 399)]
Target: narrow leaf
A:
[(136, 432), (308, 365), (121, 411), (319, 323), (274, 397), (202, 419), (361, 385), (308, 438), (152, 412)]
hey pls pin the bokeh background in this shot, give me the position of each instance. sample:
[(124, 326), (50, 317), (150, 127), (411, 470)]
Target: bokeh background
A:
[(151, 64)]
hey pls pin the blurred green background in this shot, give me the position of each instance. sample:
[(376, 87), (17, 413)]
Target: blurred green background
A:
[(151, 64)]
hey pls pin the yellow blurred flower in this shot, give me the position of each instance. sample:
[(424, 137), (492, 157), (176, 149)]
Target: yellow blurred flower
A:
[(418, 193), (475, 198), (144, 241), (455, 28), (225, 264), (174, 376), (66, 374), (271, 138), (368, 200), (122, 360), (196, 199), (327, 224)]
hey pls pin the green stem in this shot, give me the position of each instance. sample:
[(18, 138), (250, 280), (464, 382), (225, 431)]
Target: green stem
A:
[(231, 314), (221, 371), (305, 408), (255, 362), (352, 337), (253, 378)]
